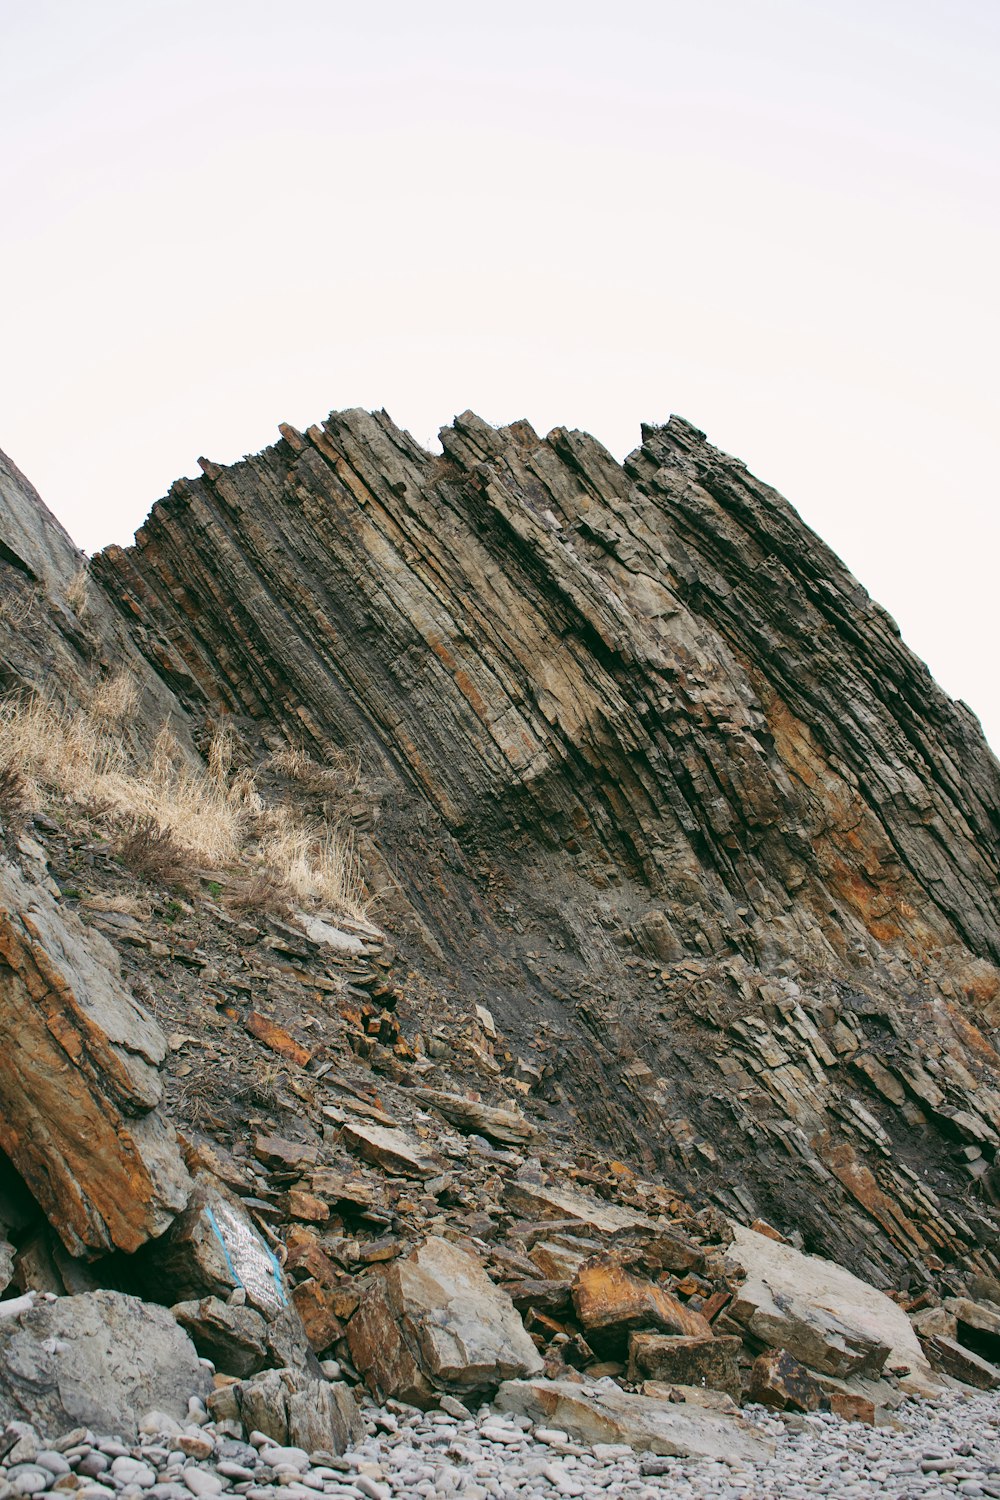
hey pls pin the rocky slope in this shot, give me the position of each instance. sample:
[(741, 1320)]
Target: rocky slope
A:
[(657, 781), (684, 880)]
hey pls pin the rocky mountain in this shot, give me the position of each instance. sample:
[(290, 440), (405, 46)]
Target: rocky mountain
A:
[(682, 881)]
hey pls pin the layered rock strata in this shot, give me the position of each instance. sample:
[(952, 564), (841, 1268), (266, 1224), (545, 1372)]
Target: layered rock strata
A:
[(657, 780)]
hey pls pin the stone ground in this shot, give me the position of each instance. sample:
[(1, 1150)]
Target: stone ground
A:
[(934, 1450)]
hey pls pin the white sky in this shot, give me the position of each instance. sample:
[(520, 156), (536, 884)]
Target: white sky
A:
[(777, 217)]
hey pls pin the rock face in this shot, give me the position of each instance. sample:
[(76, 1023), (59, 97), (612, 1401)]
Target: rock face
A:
[(656, 775), (78, 1080), (100, 1360), (435, 1322)]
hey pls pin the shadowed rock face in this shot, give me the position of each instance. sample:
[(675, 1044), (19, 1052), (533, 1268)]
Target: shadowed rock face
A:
[(659, 783)]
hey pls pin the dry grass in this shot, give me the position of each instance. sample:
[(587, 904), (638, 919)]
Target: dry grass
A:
[(168, 816), (76, 593), (124, 904)]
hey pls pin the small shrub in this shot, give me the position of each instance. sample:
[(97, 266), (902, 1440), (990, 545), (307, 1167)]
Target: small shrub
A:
[(152, 851)]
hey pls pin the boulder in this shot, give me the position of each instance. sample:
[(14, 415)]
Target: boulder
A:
[(78, 1080), (434, 1322), (292, 1409), (212, 1250), (234, 1338), (823, 1315), (934, 1320), (779, 1381), (961, 1364), (314, 1304), (604, 1413), (852, 1407), (711, 1363), (610, 1301), (99, 1360)]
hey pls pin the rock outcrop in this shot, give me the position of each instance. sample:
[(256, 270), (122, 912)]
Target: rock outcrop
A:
[(79, 1081), (655, 777), (99, 1360)]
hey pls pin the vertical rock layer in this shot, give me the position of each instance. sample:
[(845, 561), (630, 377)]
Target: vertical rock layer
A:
[(660, 783)]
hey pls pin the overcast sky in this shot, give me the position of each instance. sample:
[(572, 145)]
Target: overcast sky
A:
[(776, 217)]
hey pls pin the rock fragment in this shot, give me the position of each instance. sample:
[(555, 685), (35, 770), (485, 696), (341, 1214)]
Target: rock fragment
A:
[(435, 1322)]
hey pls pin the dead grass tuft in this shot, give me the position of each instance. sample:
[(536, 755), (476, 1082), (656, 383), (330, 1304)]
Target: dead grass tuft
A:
[(76, 593), (168, 816)]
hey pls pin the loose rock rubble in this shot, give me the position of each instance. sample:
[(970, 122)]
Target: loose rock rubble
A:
[(931, 1451)]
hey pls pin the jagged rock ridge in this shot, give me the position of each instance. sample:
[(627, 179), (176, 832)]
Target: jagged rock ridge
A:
[(658, 781)]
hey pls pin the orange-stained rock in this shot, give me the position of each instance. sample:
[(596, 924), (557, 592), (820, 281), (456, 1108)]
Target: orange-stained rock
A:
[(78, 1080), (851, 1407), (299, 1204), (313, 1305), (779, 1381), (277, 1039), (610, 1301)]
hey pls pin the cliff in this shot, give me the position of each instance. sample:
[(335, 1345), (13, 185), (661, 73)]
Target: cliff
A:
[(650, 776)]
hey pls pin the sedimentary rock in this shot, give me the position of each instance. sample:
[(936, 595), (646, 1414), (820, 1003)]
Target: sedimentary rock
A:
[(291, 1408), (610, 1301), (435, 1322), (821, 1314), (78, 1079), (100, 1360), (233, 1338), (657, 775)]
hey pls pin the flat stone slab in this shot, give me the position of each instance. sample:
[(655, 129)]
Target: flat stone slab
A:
[(825, 1316), (606, 1414), (539, 1202)]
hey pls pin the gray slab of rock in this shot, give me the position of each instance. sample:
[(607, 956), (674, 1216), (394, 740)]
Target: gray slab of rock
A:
[(99, 1360), (823, 1315), (436, 1322), (507, 1126), (978, 1325), (602, 1413), (392, 1150), (537, 1201)]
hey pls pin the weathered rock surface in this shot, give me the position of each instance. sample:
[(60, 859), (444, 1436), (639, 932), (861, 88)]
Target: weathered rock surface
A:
[(821, 1313), (507, 1126), (100, 1360), (78, 1079), (978, 1325), (610, 1301), (601, 1413), (953, 1359), (435, 1322), (291, 1409), (657, 775), (211, 1250)]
